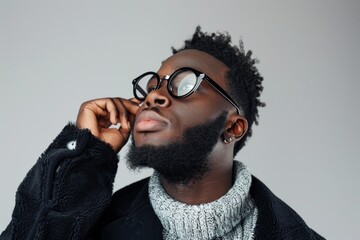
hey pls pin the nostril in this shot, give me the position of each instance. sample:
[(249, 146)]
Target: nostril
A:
[(158, 98), (160, 101)]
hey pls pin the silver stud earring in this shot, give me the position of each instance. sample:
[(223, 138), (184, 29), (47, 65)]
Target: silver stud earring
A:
[(228, 140)]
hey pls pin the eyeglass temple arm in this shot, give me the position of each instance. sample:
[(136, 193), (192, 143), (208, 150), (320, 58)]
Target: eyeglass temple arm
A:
[(224, 94)]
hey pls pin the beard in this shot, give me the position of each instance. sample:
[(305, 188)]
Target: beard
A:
[(183, 161)]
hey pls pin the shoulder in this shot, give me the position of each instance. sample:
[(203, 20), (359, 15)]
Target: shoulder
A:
[(275, 218), (122, 201), (129, 192), (125, 197), (130, 214)]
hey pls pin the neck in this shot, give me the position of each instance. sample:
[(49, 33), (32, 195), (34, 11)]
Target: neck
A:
[(213, 185), (232, 216)]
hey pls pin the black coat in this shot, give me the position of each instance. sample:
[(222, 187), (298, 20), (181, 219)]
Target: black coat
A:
[(68, 195), (131, 216)]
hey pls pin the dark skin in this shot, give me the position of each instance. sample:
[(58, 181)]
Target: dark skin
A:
[(168, 122)]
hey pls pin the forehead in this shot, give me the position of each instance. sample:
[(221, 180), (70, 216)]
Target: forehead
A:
[(198, 60)]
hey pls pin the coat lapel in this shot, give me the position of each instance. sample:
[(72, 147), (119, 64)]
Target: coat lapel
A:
[(140, 223)]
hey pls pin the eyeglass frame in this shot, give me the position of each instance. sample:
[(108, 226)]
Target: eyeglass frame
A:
[(199, 78)]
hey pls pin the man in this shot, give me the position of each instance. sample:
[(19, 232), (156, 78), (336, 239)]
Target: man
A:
[(187, 121)]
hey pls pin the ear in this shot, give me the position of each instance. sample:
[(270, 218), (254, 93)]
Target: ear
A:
[(235, 128)]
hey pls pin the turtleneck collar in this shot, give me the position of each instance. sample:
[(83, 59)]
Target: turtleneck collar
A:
[(233, 216)]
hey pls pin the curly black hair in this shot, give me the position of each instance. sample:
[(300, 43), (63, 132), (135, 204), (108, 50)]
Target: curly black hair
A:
[(244, 79)]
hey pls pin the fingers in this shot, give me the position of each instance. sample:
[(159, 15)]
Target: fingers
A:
[(108, 111), (99, 114), (134, 100), (112, 110), (127, 111)]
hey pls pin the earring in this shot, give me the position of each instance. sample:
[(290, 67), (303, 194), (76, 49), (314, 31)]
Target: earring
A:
[(226, 141)]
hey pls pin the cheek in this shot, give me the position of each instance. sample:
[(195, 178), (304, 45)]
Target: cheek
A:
[(182, 116), (193, 115), (199, 112)]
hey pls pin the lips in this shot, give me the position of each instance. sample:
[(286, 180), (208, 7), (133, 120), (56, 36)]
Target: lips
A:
[(150, 121)]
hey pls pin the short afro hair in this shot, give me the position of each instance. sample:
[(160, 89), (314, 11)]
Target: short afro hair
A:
[(244, 80)]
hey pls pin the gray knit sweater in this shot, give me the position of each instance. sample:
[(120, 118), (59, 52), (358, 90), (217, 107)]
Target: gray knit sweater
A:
[(233, 216)]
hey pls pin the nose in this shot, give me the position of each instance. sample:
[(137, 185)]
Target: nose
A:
[(159, 97)]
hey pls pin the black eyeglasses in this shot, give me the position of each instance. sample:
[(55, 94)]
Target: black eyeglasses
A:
[(181, 84)]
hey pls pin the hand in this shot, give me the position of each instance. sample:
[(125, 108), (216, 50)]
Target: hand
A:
[(99, 114)]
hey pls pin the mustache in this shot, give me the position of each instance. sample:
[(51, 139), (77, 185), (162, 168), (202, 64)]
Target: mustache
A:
[(155, 109)]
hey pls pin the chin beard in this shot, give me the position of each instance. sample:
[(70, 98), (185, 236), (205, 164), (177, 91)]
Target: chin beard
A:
[(180, 162)]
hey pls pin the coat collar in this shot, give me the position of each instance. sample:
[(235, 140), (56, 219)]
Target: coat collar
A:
[(276, 220)]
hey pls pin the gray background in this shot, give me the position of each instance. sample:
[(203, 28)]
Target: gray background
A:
[(56, 54)]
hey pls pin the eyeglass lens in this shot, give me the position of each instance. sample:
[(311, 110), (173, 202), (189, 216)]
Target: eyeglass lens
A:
[(144, 85), (181, 84)]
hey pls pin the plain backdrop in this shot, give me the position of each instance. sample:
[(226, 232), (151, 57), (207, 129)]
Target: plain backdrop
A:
[(54, 55)]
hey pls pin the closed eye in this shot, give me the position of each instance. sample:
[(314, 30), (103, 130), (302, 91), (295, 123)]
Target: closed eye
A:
[(151, 88)]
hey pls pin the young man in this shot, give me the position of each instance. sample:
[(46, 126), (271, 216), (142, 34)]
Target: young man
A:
[(187, 122)]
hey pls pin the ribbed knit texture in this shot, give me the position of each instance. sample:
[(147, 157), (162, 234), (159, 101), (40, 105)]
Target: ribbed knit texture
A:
[(233, 216)]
